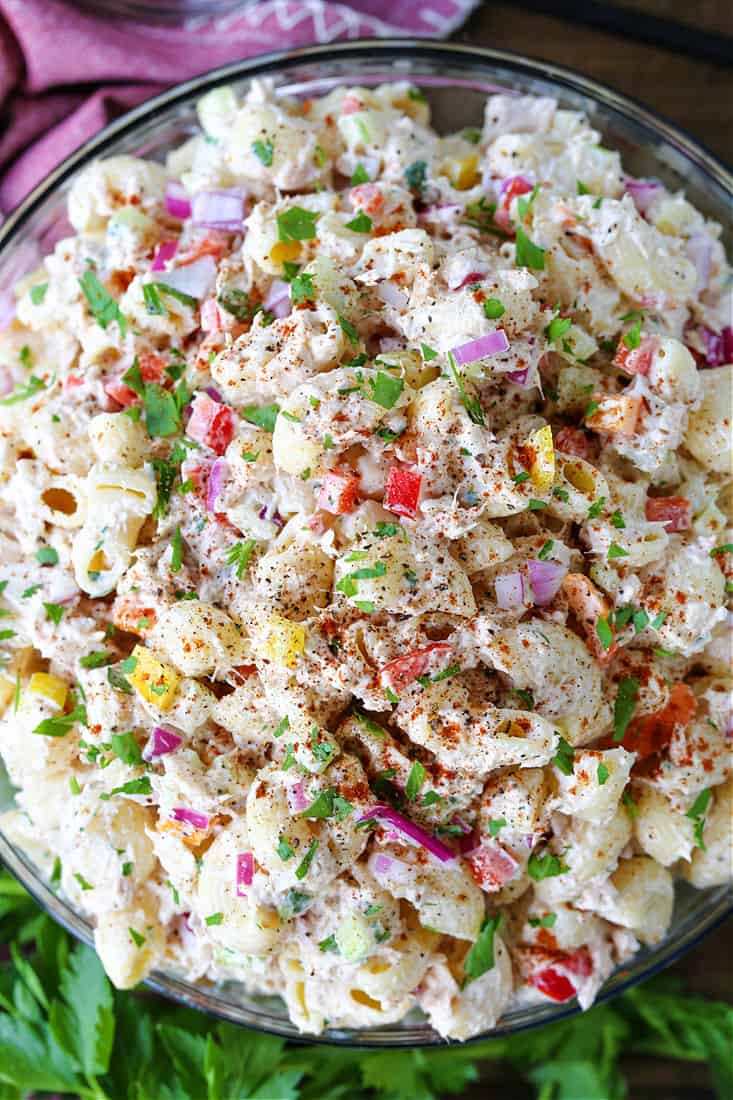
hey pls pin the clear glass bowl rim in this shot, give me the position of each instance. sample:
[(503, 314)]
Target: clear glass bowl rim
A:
[(379, 51)]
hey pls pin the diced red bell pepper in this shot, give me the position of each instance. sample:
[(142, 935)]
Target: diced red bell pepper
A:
[(207, 246), (402, 491), (195, 476), (651, 733), (152, 369), (517, 185), (573, 441), (210, 316), (338, 493), (491, 866), (211, 424), (636, 360), (367, 197), (402, 671), (556, 985), (674, 512)]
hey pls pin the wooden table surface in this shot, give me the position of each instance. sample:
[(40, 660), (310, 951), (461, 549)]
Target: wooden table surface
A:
[(695, 95), (698, 96)]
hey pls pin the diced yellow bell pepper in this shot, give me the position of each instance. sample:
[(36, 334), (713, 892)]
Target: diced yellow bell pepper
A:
[(461, 171), (542, 470), (279, 640), (285, 250), (49, 687), (154, 681), (7, 692)]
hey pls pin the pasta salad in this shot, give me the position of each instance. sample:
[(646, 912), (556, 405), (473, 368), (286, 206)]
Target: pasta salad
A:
[(364, 557)]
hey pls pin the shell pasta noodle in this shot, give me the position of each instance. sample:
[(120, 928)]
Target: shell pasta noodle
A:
[(365, 556)]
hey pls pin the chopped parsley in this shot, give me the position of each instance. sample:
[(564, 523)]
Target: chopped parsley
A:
[(25, 390), (563, 759), (61, 724), (602, 773), (385, 390), (304, 866), (604, 632), (285, 849), (616, 551), (296, 224), (302, 288), (55, 612), (348, 330), (481, 956), (415, 780), (623, 708), (494, 309), (102, 305), (528, 254), (548, 921), (38, 293), (696, 813), (176, 550), (596, 508), (263, 150), (471, 404), (238, 554), (261, 416), (545, 866), (362, 223)]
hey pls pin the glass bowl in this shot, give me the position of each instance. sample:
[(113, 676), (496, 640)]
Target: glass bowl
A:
[(456, 80)]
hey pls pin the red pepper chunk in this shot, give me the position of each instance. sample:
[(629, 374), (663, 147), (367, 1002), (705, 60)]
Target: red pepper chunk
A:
[(152, 370), (402, 671), (338, 493), (636, 360), (212, 424), (551, 983), (402, 491), (674, 512), (491, 866)]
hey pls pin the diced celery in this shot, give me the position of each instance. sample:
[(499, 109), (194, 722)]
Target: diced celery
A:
[(354, 937), (216, 110)]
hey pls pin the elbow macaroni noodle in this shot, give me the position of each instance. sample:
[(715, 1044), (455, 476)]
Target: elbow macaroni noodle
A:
[(364, 566)]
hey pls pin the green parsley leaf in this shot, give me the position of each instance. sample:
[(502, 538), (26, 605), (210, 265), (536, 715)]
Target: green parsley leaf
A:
[(415, 780), (602, 773), (557, 328), (545, 866), (616, 551), (25, 390), (304, 866), (596, 508), (481, 956), (618, 521), (263, 150), (581, 189), (102, 305), (359, 175), (238, 554), (61, 724), (632, 337), (697, 812), (427, 353), (563, 759), (546, 550), (126, 748), (627, 694), (141, 785), (362, 223), (261, 416), (527, 254), (385, 390), (152, 300), (302, 288), (496, 824), (548, 921), (604, 632), (471, 404), (214, 919), (297, 224), (55, 612), (348, 329), (285, 849), (38, 293)]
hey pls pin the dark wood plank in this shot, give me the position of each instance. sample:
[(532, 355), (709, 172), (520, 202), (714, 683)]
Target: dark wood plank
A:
[(693, 94)]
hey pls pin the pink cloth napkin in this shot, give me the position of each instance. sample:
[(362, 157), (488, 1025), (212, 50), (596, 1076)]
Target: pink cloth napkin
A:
[(49, 49)]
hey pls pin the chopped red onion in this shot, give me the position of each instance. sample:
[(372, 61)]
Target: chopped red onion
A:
[(162, 741), (7, 310), (177, 202), (270, 512), (164, 252), (217, 479), (396, 869), (245, 871), (727, 334), (700, 251), (296, 796), (545, 578), (474, 276), (518, 377), (213, 393), (222, 209), (194, 279), (403, 824), (510, 180), (644, 193), (191, 817), (493, 343), (469, 842), (714, 345), (510, 590), (277, 300)]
